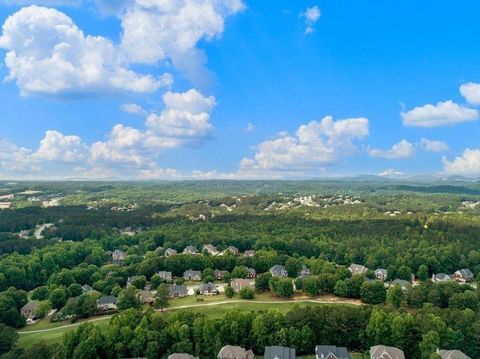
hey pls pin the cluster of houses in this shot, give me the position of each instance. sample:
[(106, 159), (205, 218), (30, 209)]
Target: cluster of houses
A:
[(211, 250), (321, 352)]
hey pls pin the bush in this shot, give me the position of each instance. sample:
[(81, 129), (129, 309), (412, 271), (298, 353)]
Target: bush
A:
[(229, 292), (246, 293)]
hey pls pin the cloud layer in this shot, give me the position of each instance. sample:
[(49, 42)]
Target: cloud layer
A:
[(442, 114)]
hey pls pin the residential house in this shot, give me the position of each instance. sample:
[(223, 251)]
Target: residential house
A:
[(249, 253), (207, 289), (181, 356), (146, 297), (357, 269), (219, 274), (210, 249), (190, 250), (331, 352), (234, 352), (404, 284), (118, 256), (24, 233), (384, 352), (305, 272), (232, 250), (463, 275), (177, 291), (441, 278), (278, 271), (251, 273), (277, 352), (381, 274), (86, 288), (108, 302), (195, 275), (452, 354), (169, 252), (166, 276), (28, 310), (238, 284)]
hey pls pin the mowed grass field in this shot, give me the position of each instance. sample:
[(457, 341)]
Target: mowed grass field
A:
[(206, 305)]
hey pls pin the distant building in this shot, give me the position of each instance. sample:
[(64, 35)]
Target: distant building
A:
[(441, 278), (277, 352), (28, 310), (170, 252), (404, 284), (384, 352), (278, 271), (24, 233), (331, 352), (232, 250), (463, 275), (166, 276), (177, 291), (190, 250), (305, 272), (381, 274), (108, 302), (210, 249), (234, 352), (194, 275), (181, 356), (118, 256), (146, 297), (357, 269), (452, 354), (207, 289), (238, 284), (219, 274), (249, 253), (86, 288), (251, 273)]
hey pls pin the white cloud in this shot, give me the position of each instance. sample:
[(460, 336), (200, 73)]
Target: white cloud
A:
[(442, 114), (55, 146), (311, 15), (158, 30), (133, 108), (15, 159), (468, 164), (471, 92), (314, 144), (48, 54), (250, 127), (390, 172), (403, 149), (433, 146)]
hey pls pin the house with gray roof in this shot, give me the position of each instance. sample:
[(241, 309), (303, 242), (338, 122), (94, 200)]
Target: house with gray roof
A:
[(190, 250), (146, 297), (181, 356), (86, 288), (441, 278), (277, 352), (304, 272), (251, 273), (177, 291), (107, 302), (28, 310), (463, 275), (207, 289), (195, 275), (381, 274), (234, 352), (278, 271), (219, 274), (405, 285), (232, 250), (385, 352), (169, 252), (166, 276), (249, 253), (357, 269), (210, 249), (452, 354), (331, 352), (118, 256)]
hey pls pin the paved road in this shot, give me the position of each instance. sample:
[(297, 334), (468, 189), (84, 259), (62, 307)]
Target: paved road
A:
[(316, 301)]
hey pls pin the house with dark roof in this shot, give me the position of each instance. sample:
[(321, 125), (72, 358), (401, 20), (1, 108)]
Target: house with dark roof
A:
[(107, 302), (190, 250), (251, 273), (331, 352), (441, 278), (169, 252), (452, 354), (234, 352), (86, 288), (277, 352), (166, 276), (381, 274), (278, 271), (207, 289), (357, 269), (464, 275), (385, 352), (219, 274), (28, 310), (195, 275), (177, 291)]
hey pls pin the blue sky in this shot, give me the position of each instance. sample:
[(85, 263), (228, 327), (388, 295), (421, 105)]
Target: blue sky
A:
[(238, 89)]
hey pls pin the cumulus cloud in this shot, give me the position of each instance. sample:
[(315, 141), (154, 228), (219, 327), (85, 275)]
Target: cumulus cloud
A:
[(47, 54), (15, 159), (403, 149), (468, 164), (311, 15), (56, 146), (471, 92), (442, 114), (390, 172), (314, 144), (433, 146), (133, 108), (159, 30)]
